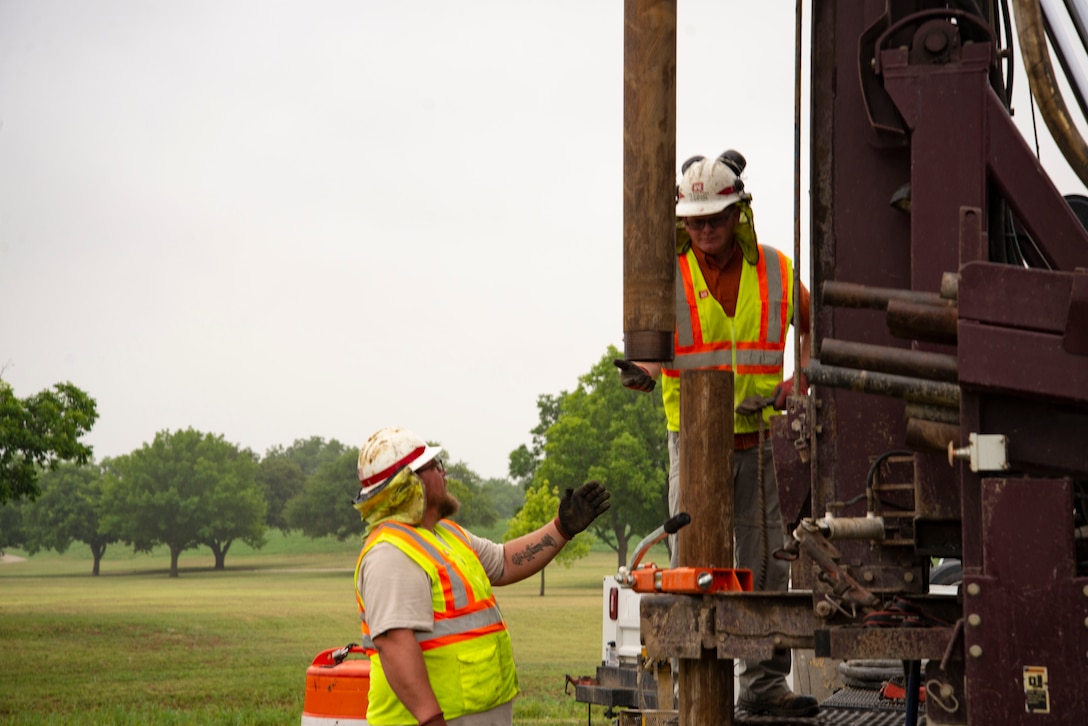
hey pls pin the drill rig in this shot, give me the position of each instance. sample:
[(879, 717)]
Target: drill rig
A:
[(948, 409)]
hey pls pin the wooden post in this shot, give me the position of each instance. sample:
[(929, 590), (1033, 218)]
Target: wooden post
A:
[(649, 178), (706, 493)]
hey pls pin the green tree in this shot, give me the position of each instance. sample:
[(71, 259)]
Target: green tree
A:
[(524, 460), (477, 510), (311, 453), (504, 496), (283, 473), (605, 432), (69, 510), (41, 431), (323, 507), (183, 490), (280, 479), (11, 525), (541, 505)]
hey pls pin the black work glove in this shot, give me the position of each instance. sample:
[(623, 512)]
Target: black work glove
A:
[(578, 508), (754, 404), (632, 376)]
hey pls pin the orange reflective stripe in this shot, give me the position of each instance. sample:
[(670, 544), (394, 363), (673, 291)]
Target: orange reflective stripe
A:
[(456, 530), (761, 275), (772, 279), (466, 616), (689, 331), (775, 294), (452, 591), (461, 637), (784, 307)]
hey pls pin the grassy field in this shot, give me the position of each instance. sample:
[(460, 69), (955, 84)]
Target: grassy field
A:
[(133, 646)]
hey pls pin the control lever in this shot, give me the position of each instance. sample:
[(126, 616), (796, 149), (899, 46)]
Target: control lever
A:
[(672, 526), (678, 580)]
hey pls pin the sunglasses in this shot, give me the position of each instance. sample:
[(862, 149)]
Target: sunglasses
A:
[(712, 222), (435, 463)]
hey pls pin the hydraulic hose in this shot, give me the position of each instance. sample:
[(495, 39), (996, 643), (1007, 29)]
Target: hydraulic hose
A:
[(1044, 86)]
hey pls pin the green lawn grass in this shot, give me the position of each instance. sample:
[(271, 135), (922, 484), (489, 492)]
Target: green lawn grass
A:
[(133, 646)]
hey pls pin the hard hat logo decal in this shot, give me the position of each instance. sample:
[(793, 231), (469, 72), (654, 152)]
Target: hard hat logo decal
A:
[(697, 186)]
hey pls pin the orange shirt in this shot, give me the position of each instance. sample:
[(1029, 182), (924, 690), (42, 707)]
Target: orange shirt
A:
[(724, 283)]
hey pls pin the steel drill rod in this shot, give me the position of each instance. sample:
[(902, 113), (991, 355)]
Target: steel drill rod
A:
[(884, 359), (649, 181), (932, 435), (883, 384), (918, 321), (936, 414), (852, 295)]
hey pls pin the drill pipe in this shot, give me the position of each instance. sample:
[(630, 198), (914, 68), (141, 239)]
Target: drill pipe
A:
[(932, 435), (917, 390), (852, 295), (883, 359), (918, 321), (649, 182), (936, 414)]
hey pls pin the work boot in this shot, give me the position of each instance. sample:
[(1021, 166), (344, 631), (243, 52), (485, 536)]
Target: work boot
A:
[(783, 704)]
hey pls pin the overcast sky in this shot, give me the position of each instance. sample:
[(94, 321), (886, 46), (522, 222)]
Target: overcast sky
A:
[(273, 220)]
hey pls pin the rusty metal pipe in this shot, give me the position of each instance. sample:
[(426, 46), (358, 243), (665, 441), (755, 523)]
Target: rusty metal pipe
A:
[(916, 321), (851, 295), (1044, 86), (937, 414), (932, 435), (649, 181), (883, 384), (883, 359)]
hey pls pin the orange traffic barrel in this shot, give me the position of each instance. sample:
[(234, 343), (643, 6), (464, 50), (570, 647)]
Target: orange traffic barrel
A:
[(336, 689)]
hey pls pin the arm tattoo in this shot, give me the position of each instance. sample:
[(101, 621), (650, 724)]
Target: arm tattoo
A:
[(531, 550)]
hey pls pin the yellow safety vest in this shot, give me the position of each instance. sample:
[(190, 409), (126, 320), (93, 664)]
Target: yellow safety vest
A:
[(751, 344), (469, 657)]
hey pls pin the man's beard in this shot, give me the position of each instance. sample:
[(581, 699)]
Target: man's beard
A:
[(448, 506)]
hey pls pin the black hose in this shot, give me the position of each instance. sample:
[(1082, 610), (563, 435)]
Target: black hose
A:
[(914, 681), (870, 495), (1006, 21)]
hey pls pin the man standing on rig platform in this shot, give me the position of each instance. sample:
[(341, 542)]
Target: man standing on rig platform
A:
[(737, 301)]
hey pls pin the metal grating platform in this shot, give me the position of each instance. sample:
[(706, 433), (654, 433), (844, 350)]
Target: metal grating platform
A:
[(852, 715), (846, 707)]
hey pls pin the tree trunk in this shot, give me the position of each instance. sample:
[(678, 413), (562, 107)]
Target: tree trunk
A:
[(97, 551), (220, 553), (175, 550), (542, 582)]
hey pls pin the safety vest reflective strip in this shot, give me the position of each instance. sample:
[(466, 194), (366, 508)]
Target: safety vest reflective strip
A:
[(751, 344), (456, 591), (466, 616), (765, 355)]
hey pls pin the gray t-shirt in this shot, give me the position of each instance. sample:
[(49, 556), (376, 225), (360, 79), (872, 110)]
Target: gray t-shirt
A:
[(397, 591)]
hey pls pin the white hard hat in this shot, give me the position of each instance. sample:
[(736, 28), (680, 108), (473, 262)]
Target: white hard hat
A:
[(707, 186), (389, 450)]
